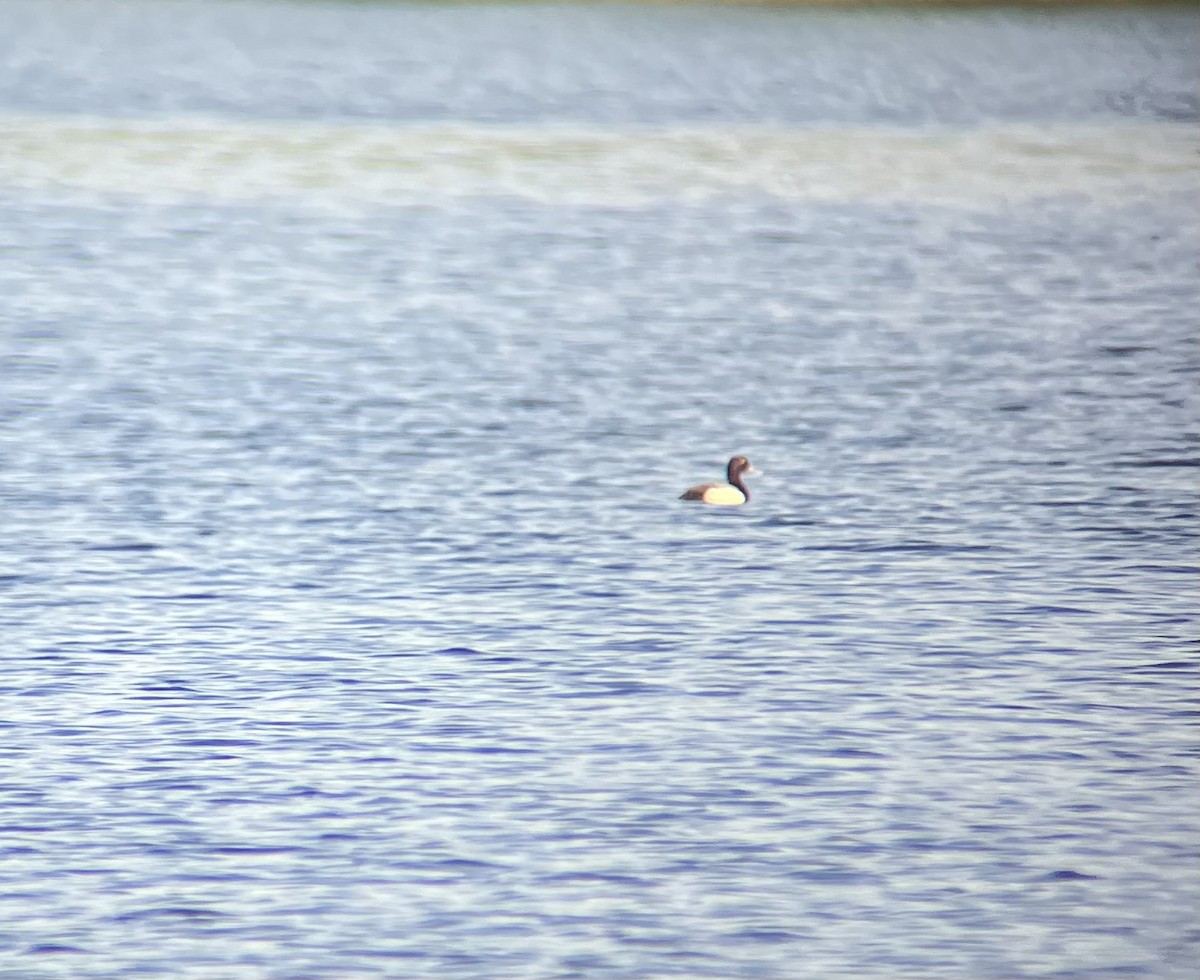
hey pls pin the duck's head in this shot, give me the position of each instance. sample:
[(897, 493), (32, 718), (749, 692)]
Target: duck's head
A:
[(738, 467)]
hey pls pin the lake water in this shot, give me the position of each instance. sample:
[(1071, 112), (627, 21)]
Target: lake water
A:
[(352, 359)]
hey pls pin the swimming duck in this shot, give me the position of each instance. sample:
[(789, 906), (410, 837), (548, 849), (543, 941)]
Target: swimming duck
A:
[(729, 494)]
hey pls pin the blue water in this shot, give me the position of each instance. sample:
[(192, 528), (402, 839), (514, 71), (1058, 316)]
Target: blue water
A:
[(352, 359)]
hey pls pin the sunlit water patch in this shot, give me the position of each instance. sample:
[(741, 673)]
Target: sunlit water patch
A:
[(345, 163)]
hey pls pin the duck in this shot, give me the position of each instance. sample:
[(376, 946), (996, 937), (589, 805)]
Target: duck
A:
[(729, 494)]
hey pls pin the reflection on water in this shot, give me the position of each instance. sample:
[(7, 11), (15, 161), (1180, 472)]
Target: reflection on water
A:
[(588, 165)]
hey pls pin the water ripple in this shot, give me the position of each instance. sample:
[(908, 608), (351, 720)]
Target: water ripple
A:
[(352, 364)]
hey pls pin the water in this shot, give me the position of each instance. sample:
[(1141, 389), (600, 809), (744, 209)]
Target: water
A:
[(351, 361)]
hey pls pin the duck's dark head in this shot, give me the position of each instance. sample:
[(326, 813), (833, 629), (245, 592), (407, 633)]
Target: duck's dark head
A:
[(738, 466)]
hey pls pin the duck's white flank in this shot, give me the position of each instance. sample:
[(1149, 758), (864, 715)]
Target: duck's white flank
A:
[(722, 494)]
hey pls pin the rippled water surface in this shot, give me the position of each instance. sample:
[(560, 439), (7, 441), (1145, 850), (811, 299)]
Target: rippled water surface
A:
[(352, 359)]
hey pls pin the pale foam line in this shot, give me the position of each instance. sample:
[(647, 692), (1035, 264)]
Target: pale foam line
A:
[(344, 163)]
